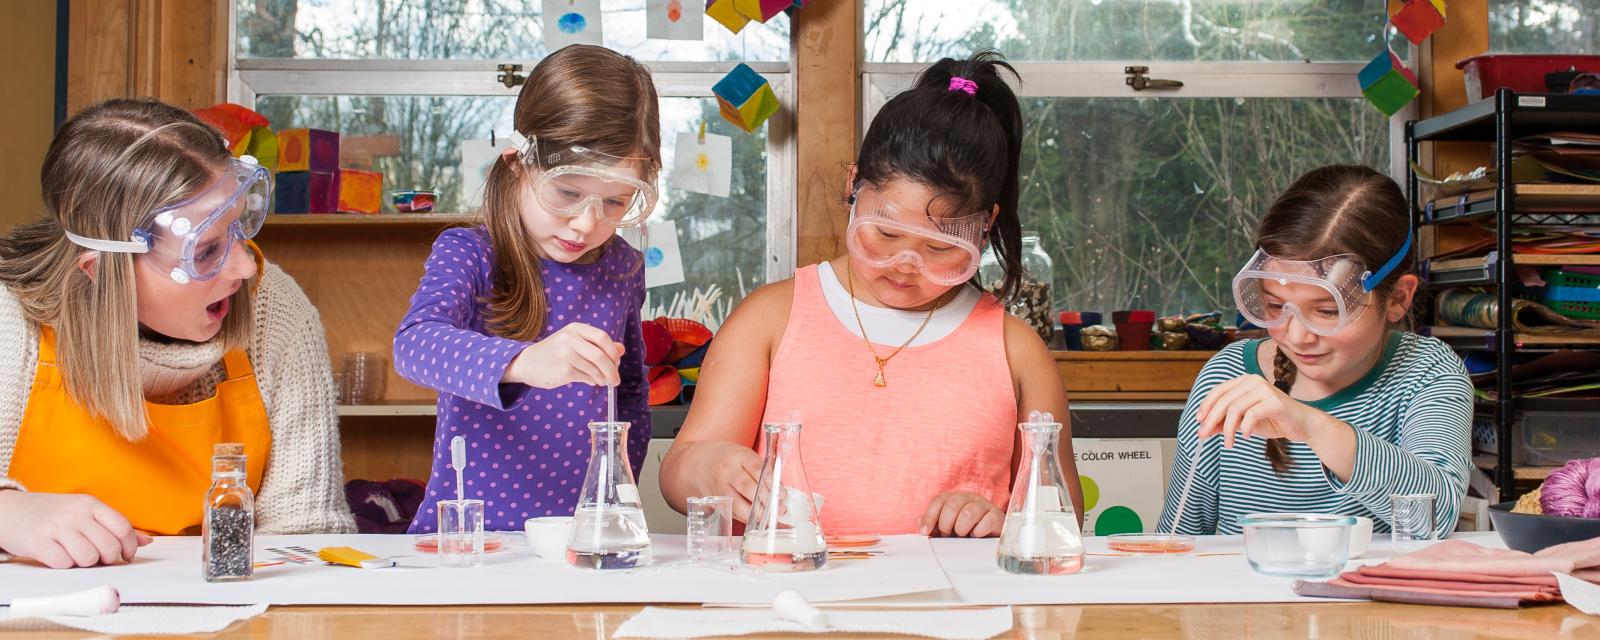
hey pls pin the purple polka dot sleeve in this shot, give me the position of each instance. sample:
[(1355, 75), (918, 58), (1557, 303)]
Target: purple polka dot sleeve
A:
[(441, 343)]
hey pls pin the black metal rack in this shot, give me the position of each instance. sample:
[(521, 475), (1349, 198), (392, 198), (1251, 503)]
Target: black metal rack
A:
[(1501, 120)]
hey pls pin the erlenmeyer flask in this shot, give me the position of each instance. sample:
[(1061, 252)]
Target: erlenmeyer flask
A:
[(784, 532), (608, 528), (1041, 534)]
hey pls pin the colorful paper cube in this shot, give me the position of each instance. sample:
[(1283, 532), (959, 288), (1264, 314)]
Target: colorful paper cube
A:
[(724, 12), (761, 10), (1387, 83), (360, 191), (312, 150), (306, 192), (746, 98), (1418, 19), (795, 6)]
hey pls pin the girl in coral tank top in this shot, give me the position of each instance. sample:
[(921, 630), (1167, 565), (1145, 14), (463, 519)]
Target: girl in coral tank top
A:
[(909, 379)]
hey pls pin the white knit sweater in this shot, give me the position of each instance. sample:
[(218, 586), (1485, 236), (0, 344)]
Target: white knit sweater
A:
[(302, 490)]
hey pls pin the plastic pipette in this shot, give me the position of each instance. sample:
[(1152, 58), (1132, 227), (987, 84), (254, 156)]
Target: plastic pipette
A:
[(458, 460)]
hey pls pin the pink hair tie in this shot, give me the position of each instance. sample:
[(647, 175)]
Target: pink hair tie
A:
[(958, 83)]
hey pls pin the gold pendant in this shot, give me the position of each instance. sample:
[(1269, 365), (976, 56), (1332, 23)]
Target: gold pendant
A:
[(879, 381)]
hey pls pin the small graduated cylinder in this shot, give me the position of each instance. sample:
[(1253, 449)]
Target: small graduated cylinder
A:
[(710, 527)]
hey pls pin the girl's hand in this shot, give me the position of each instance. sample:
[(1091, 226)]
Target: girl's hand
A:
[(728, 469), (575, 353), (1250, 406), (63, 531), (961, 514)]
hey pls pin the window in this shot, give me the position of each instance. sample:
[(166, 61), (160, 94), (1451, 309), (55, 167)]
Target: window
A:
[(1149, 199), (1544, 26), (420, 75)]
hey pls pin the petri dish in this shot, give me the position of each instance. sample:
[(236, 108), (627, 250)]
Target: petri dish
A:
[(1151, 543), (429, 542)]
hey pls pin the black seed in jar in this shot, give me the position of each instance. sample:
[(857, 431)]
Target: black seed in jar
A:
[(229, 553)]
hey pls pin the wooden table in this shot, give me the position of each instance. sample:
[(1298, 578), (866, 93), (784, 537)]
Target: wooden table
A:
[(1330, 620)]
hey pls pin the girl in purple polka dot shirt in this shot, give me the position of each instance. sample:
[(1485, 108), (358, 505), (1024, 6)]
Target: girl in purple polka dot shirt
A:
[(522, 322)]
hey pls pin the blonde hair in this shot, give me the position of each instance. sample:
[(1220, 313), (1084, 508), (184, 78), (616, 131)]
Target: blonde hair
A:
[(108, 167), (580, 95)]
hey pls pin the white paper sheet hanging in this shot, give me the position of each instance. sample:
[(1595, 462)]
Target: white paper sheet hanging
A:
[(702, 168), (168, 571), (663, 262), (674, 19), (569, 22), (478, 155)]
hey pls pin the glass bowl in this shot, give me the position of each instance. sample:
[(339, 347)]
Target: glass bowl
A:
[(1297, 545)]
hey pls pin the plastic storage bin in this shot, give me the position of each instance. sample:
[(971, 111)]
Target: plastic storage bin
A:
[(1543, 438), (1575, 295), (1523, 73)]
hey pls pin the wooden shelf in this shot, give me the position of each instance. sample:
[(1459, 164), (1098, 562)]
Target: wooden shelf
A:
[(1519, 472), (1465, 335), (319, 219), (397, 409)]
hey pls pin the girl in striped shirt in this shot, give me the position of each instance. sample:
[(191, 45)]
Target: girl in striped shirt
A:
[(1339, 409)]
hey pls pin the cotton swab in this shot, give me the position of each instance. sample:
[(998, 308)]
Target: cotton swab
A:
[(458, 460)]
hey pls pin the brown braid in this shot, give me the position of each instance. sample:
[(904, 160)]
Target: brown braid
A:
[(1283, 373)]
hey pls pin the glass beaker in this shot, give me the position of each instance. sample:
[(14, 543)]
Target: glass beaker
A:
[(710, 527), (460, 533), (1041, 534), (1412, 521), (228, 530), (785, 531), (608, 528)]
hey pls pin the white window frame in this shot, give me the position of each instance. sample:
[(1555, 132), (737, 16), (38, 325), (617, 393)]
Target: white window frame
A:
[(249, 78), (882, 80)]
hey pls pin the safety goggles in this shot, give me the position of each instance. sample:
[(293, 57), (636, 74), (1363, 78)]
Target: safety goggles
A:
[(945, 250), (577, 179), (1325, 295), (193, 238)]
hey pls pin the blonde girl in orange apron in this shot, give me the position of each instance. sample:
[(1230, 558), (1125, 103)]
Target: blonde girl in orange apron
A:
[(157, 243)]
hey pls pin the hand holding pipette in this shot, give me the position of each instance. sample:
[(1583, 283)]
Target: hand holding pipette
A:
[(575, 353), (1250, 406)]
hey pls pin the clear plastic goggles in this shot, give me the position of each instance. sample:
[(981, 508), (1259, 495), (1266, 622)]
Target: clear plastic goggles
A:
[(194, 237), (577, 179), (944, 250), (1325, 295)]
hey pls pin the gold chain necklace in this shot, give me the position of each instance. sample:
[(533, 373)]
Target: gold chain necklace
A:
[(850, 283)]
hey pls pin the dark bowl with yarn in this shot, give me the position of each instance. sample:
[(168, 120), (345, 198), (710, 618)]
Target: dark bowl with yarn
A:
[(1532, 532)]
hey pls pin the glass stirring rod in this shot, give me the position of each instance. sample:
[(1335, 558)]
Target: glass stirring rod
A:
[(1188, 483)]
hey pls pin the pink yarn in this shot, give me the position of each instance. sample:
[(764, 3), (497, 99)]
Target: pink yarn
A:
[(1573, 490)]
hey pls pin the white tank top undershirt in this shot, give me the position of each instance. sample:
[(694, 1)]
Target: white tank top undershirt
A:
[(894, 326)]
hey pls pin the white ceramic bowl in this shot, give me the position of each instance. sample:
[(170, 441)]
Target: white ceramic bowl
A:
[(1360, 536), (548, 536)]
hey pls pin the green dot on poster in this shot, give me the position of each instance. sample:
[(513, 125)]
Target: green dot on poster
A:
[(1117, 519), (1091, 492)]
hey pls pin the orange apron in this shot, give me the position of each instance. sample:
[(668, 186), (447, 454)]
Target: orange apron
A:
[(159, 483)]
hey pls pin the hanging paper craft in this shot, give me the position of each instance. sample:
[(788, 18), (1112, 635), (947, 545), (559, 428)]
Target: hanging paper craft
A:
[(746, 98), (245, 130), (477, 157), (795, 6), (569, 22), (724, 12), (674, 19), (702, 164), (1387, 83), (663, 264), (761, 10), (1417, 19)]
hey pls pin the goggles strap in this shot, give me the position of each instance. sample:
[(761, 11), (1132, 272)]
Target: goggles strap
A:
[(137, 245), (1372, 280)]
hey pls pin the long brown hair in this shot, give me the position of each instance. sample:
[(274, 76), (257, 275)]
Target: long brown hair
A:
[(107, 168), (580, 95), (1329, 211)]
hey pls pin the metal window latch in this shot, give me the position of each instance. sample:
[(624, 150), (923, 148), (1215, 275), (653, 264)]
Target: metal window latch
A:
[(1136, 79), (508, 75)]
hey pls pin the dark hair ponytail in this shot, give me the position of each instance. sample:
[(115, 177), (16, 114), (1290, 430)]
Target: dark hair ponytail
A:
[(966, 147)]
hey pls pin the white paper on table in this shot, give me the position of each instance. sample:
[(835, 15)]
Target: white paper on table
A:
[(569, 22), (478, 155), (952, 624), (168, 571), (139, 620), (702, 168), (1129, 477), (674, 19), (663, 262), (1579, 593)]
